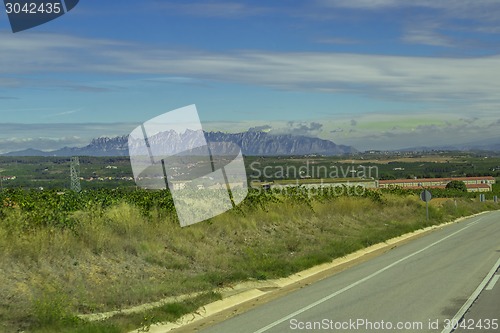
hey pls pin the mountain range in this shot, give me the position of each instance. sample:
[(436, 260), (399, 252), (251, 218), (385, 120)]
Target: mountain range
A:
[(254, 143)]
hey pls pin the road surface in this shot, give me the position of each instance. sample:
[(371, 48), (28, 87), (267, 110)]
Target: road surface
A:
[(417, 287), (483, 315)]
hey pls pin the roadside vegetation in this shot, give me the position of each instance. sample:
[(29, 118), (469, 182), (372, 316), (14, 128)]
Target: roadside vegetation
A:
[(65, 253)]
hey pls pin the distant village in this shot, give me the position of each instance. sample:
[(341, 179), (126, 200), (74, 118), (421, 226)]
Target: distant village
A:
[(349, 177), (473, 184)]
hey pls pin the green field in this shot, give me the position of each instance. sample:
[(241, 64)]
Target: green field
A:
[(114, 172), (54, 172)]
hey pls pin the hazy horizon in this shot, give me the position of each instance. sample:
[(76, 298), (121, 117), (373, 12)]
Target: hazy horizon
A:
[(89, 132)]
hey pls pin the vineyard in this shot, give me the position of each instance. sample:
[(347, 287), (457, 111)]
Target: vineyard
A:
[(54, 208)]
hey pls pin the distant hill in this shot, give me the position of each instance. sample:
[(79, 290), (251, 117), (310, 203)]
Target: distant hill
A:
[(254, 143), (28, 152), (492, 145), (98, 147)]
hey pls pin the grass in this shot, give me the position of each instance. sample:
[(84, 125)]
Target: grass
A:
[(117, 257), (50, 315)]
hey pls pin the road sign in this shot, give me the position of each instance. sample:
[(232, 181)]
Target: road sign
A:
[(425, 196)]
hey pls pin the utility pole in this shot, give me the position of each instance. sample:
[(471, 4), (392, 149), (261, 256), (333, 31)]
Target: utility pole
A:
[(75, 174), (1, 180)]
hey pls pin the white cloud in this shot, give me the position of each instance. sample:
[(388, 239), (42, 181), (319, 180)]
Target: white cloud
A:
[(459, 84), (472, 80), (337, 40), (453, 6), (51, 136), (386, 131), (362, 4), (62, 113), (217, 9), (426, 33), (426, 16), (9, 82)]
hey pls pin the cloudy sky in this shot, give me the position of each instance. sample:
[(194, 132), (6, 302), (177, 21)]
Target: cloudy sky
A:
[(375, 74)]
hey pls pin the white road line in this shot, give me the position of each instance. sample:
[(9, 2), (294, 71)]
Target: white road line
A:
[(475, 222), (326, 298), (472, 298), (493, 282)]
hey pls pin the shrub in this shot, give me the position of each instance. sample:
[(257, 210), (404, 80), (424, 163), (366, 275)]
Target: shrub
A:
[(457, 185)]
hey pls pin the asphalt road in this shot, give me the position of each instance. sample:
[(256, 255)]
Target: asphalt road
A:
[(416, 287), (484, 314)]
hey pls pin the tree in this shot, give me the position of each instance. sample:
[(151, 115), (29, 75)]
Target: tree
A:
[(457, 185)]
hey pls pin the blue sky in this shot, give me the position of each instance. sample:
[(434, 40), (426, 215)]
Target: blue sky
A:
[(379, 74)]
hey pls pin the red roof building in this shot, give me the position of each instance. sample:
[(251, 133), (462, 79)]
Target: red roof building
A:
[(474, 184)]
